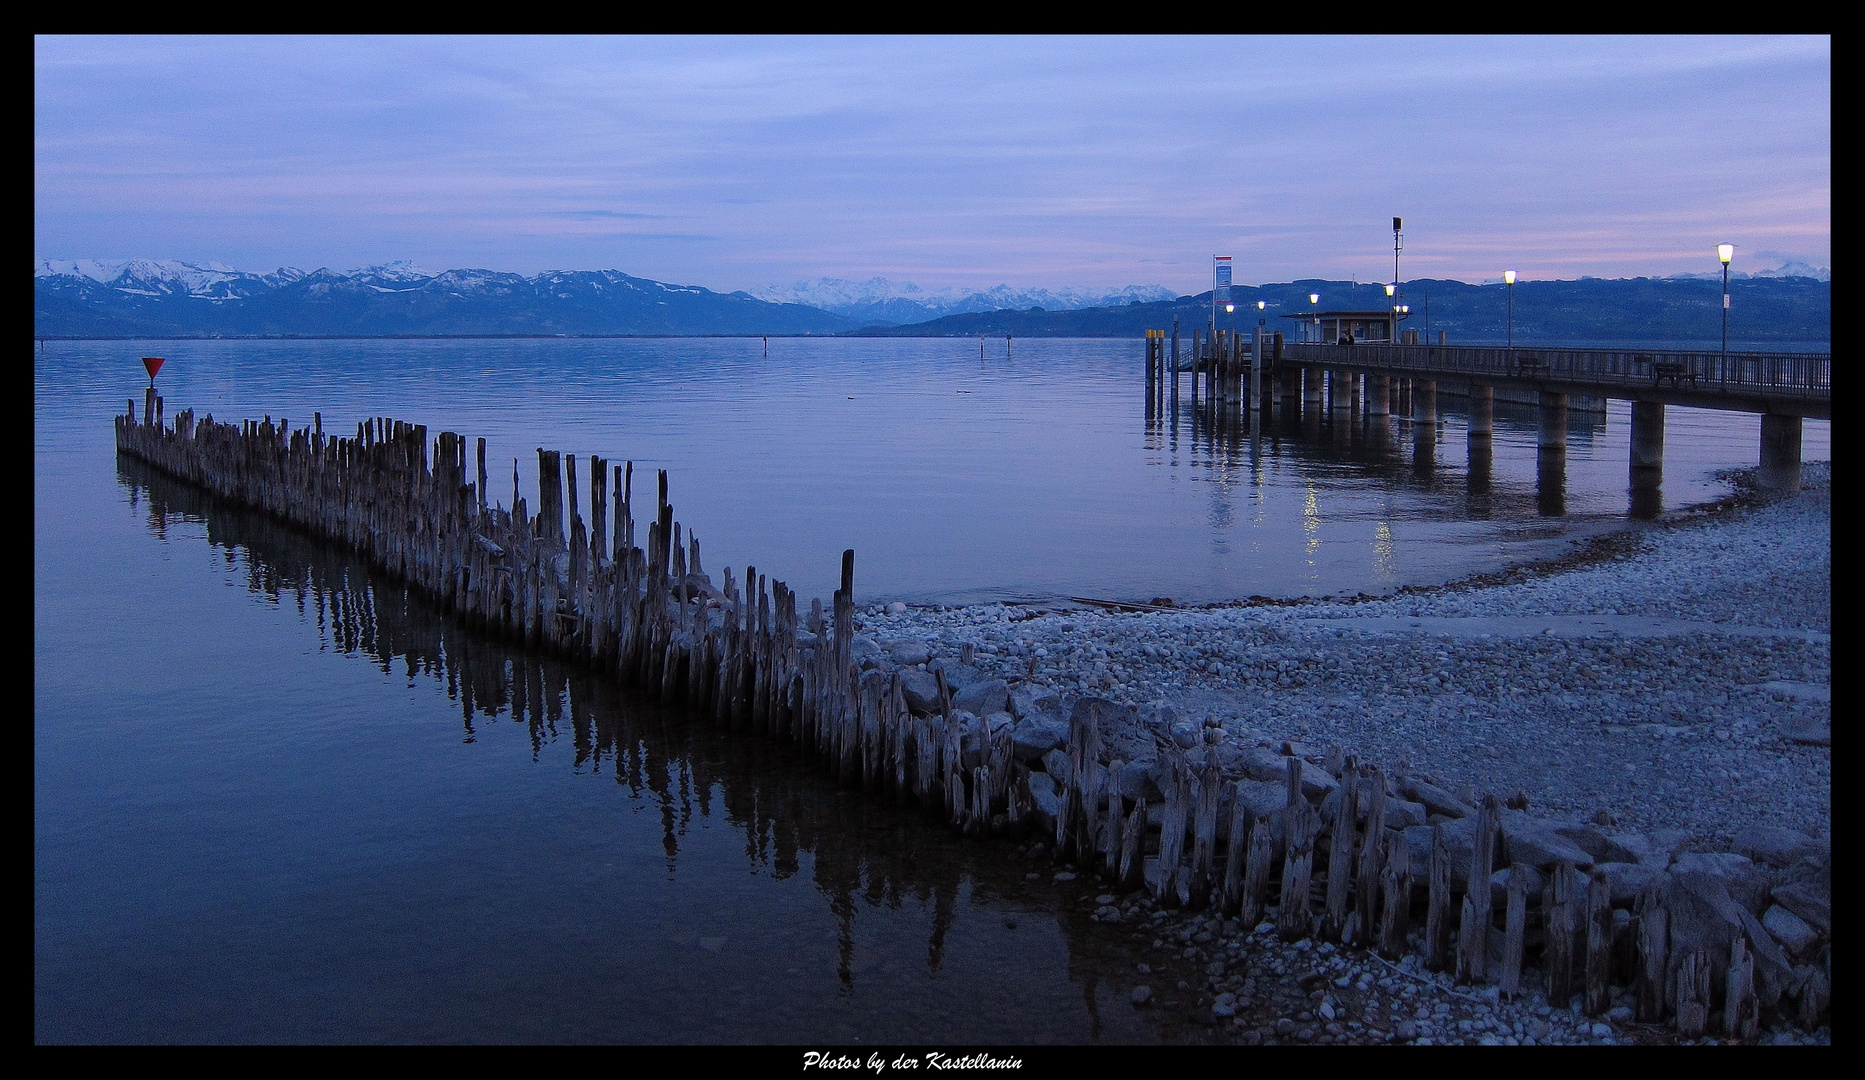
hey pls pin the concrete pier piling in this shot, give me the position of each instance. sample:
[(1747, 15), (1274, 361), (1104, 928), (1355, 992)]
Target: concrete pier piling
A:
[(1482, 412), (1424, 425), (1780, 452), (1646, 470), (1551, 455), (1378, 395)]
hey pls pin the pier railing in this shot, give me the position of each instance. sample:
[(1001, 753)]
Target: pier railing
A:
[(1807, 376)]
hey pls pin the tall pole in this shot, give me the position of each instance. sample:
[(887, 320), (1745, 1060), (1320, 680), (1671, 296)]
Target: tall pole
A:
[(1725, 322), (1397, 295), (1512, 315), (1725, 252)]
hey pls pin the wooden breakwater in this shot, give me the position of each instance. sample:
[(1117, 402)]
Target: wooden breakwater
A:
[(649, 616), (1320, 857)]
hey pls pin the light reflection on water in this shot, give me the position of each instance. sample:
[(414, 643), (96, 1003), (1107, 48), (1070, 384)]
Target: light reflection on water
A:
[(954, 479)]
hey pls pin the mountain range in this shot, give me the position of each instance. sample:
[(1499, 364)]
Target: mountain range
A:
[(149, 298), (880, 302), (1587, 311)]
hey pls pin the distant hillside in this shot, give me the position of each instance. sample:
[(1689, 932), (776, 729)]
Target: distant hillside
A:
[(880, 302), (1546, 312), (145, 298)]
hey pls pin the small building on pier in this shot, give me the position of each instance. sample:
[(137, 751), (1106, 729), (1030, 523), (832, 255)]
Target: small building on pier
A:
[(1345, 327)]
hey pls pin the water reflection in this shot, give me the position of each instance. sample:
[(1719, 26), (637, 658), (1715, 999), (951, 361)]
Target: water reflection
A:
[(1337, 441), (865, 858)]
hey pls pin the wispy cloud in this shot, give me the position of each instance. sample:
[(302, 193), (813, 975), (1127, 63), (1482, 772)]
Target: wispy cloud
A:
[(948, 161)]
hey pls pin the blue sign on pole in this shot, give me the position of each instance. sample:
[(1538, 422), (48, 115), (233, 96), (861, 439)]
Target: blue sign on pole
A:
[(1221, 294)]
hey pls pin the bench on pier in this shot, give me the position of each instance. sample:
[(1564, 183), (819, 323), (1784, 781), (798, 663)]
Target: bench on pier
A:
[(1530, 364), (1675, 370)]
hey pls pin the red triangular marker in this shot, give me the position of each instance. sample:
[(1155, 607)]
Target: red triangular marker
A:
[(154, 364)]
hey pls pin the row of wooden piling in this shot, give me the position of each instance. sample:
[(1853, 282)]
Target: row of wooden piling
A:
[(1220, 364), (652, 618)]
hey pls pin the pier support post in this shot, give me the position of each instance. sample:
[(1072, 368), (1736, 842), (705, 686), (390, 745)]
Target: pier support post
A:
[(1311, 389), (1378, 395), (1256, 380), (1424, 424), (1175, 383), (1482, 411), (1647, 464), (1551, 456), (1780, 452)]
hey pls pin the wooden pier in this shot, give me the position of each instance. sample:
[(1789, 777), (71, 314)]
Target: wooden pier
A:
[(1377, 382), (748, 657)]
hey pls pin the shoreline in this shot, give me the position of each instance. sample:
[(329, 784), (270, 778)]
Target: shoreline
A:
[(1664, 687), (1663, 655)]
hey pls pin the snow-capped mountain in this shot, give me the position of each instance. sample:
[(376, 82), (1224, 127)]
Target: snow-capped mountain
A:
[(879, 300), (1790, 268), (143, 297)]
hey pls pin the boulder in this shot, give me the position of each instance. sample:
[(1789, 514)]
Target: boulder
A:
[(985, 696), (1459, 844), (1055, 763), (1033, 700), (863, 648), (1045, 804), (1499, 887), (1703, 915), (1806, 889), (1747, 883), (1627, 880), (1655, 849), (1134, 782), (921, 691), (1793, 932), (1537, 843), (1775, 846), (1260, 797), (1036, 736), (908, 651), (1600, 847), (1187, 734), (1107, 716), (1435, 799), (1261, 763), (1401, 814)]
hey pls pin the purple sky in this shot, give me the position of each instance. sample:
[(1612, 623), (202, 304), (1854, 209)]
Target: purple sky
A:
[(734, 163)]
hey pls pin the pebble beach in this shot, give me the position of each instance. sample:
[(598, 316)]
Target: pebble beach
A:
[(1670, 679)]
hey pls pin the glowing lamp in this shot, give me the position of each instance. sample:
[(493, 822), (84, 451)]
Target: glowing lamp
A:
[(1725, 252)]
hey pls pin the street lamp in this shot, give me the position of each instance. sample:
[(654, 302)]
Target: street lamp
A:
[(1509, 276), (1725, 252), (1392, 290), (1314, 301)]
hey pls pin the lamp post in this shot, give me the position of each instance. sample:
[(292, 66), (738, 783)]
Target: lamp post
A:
[(1725, 252), (1314, 301), (1392, 292), (1509, 276)]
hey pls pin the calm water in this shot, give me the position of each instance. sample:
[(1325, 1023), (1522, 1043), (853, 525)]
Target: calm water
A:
[(274, 801)]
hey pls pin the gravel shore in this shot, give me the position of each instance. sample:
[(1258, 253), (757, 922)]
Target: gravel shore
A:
[(1674, 676), (1655, 676)]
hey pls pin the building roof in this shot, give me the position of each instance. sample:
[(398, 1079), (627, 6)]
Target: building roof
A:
[(1384, 314)]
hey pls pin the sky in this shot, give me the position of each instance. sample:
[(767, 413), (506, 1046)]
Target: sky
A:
[(737, 163)]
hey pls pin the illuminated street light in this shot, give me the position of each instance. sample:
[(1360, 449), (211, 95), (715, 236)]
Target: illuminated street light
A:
[(1725, 252), (1509, 276)]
